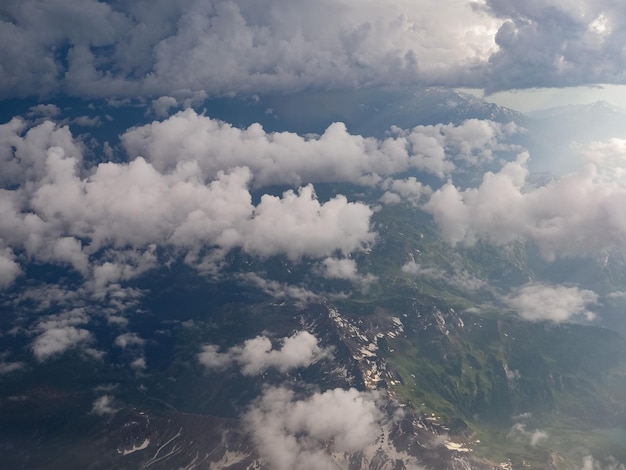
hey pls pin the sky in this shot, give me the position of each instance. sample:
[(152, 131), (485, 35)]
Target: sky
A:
[(109, 198), (537, 99)]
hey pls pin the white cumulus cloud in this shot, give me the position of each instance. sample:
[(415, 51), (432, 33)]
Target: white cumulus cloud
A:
[(289, 432), (256, 355), (104, 406), (577, 214), (555, 303), (58, 340), (129, 340), (60, 212), (288, 158), (9, 268)]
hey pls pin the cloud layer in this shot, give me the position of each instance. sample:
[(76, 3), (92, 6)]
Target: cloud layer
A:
[(108, 222), (335, 156), (186, 187), (94, 48)]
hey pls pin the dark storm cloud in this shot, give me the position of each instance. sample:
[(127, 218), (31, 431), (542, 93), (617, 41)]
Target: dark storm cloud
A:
[(90, 48), (37, 35), (551, 43)]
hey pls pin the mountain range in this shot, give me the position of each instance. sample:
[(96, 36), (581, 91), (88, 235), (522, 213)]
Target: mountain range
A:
[(410, 353)]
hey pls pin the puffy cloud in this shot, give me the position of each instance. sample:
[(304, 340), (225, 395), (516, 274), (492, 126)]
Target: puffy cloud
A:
[(74, 317), (59, 212), (295, 45), (576, 214), (65, 250), (23, 151), (298, 225), (211, 358), (104, 406), (417, 269), (133, 204), (128, 340), (121, 265), (340, 268), (134, 343), (281, 157), (256, 355), (389, 198), (344, 268), (58, 340), (408, 189), (553, 43), (472, 142), (58, 333), (108, 222), (139, 363), (305, 433), (608, 156), (519, 431), (537, 436), (162, 105), (38, 30), (288, 158), (9, 269), (555, 303), (93, 48)]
